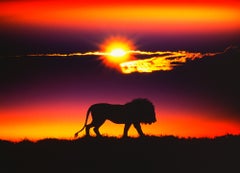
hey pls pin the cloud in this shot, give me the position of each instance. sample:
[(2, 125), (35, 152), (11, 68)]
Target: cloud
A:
[(161, 61), (154, 61)]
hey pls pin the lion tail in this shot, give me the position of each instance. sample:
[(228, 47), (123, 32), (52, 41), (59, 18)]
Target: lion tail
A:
[(88, 112)]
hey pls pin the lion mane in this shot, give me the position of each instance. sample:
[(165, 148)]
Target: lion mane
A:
[(137, 111)]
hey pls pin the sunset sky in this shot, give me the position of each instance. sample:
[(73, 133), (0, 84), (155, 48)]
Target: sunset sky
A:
[(45, 96)]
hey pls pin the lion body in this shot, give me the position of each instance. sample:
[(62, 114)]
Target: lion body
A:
[(104, 111), (135, 112)]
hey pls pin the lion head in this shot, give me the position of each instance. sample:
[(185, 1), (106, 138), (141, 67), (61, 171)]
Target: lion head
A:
[(141, 110)]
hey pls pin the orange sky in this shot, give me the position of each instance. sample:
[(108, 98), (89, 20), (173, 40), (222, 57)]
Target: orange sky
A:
[(150, 16)]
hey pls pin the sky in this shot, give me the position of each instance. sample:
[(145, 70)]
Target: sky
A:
[(56, 61)]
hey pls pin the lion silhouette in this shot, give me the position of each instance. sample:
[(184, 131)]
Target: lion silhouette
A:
[(135, 112)]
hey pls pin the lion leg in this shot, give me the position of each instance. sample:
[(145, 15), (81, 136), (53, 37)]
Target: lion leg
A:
[(138, 128), (126, 128), (96, 130), (88, 128), (97, 125)]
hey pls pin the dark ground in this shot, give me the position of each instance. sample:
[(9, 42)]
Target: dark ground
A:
[(149, 154)]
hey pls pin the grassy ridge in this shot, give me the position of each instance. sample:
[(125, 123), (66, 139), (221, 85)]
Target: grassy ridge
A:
[(108, 154)]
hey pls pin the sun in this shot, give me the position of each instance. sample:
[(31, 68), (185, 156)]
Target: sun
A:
[(116, 51)]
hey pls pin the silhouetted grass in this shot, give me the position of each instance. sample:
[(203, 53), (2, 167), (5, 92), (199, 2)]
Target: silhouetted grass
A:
[(110, 154)]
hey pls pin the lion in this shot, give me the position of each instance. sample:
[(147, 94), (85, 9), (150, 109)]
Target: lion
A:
[(137, 111)]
